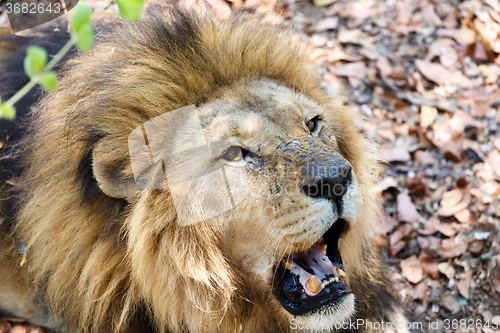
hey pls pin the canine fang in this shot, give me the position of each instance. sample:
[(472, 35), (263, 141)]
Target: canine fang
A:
[(323, 248), (312, 284), (341, 274), (287, 264)]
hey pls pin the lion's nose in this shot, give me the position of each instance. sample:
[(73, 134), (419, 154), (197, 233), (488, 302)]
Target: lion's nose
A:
[(331, 186)]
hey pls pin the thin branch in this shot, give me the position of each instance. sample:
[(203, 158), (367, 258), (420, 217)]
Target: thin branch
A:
[(59, 55)]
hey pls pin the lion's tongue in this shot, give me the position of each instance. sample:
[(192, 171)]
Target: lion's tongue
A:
[(314, 268)]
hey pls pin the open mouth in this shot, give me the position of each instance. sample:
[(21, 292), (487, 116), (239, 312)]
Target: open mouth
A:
[(308, 281)]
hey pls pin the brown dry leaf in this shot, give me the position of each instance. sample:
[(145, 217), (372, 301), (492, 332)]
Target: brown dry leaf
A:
[(496, 143), (420, 291), (387, 224), (394, 249), (337, 54), (318, 54), (463, 216), (4, 326), (486, 192), (495, 4), (480, 53), (406, 209), (428, 115), (478, 101), (496, 284), (429, 265), (398, 73), (454, 201), (386, 183), (438, 48), (464, 285), (319, 40), (18, 329), (449, 58), (449, 141), (452, 247), (323, 3), (459, 121), (412, 269), (446, 229), (447, 269), (396, 154), (325, 24), (450, 303), (429, 226), (434, 72), (423, 242), (369, 52), (37, 330), (462, 36), (422, 157), (356, 36), (353, 69), (429, 15), (400, 233), (384, 66)]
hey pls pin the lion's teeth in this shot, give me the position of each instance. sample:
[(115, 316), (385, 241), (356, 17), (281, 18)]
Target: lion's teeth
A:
[(326, 283), (312, 284), (323, 248), (341, 274), (287, 264)]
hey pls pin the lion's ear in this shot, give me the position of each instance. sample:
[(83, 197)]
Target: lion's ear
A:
[(111, 168)]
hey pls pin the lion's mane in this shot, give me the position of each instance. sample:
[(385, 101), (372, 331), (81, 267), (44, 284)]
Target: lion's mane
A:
[(105, 263)]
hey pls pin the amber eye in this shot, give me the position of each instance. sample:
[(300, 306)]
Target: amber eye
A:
[(233, 154), (312, 125)]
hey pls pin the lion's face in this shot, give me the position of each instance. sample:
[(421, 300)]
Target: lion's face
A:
[(295, 198)]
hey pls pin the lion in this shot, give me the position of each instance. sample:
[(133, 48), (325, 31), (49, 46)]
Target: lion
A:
[(90, 244)]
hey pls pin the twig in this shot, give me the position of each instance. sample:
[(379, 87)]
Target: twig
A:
[(59, 55)]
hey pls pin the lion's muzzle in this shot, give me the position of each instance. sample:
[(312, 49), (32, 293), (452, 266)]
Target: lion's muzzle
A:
[(323, 172), (314, 280)]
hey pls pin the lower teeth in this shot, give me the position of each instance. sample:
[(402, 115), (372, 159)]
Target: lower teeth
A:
[(324, 284)]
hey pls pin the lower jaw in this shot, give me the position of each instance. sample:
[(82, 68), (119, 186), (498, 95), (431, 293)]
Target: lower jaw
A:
[(330, 316), (313, 281)]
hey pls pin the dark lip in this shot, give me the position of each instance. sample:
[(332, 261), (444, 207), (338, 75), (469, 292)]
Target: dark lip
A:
[(300, 303)]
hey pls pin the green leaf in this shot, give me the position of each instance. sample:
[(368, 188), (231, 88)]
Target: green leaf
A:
[(130, 10), (81, 16), (429, 208), (35, 60), (7, 111), (48, 81), (84, 37)]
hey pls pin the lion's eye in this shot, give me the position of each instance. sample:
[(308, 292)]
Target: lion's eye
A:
[(312, 125), (233, 154)]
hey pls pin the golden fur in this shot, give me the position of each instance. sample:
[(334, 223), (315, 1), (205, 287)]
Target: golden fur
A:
[(110, 256)]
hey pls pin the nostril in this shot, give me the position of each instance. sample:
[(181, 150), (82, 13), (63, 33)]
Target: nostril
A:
[(331, 188), (328, 188)]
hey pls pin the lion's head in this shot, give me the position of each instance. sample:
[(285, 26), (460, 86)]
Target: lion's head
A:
[(291, 242)]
